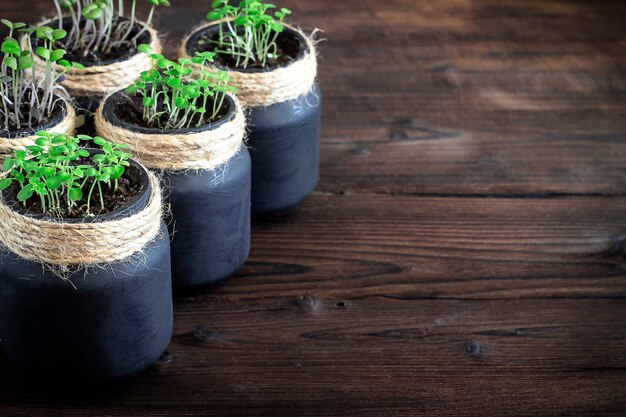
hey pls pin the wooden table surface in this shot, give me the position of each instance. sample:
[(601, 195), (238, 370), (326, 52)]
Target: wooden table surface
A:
[(464, 252)]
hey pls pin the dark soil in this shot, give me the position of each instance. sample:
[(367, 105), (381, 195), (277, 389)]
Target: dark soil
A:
[(289, 49), (129, 186), (120, 52), (130, 109), (26, 110)]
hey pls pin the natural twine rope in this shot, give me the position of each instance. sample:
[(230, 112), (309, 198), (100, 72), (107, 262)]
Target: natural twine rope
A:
[(83, 244), (67, 126), (100, 80), (260, 89), (179, 152)]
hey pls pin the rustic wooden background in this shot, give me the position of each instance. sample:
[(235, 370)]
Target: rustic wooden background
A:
[(464, 252)]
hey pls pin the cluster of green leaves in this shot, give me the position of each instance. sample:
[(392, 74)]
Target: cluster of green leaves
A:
[(249, 31), (98, 26), (61, 173), (23, 83), (172, 99)]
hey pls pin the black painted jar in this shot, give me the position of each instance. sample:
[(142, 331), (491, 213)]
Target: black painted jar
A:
[(284, 121), (90, 85), (206, 174), (98, 322), (62, 120)]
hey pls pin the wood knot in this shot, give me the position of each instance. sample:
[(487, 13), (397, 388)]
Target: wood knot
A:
[(202, 334), (443, 68), (618, 248), (343, 304), (622, 247), (360, 150), (307, 303), (472, 349), (166, 357)]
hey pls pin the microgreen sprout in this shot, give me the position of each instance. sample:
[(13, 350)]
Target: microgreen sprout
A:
[(97, 25), (23, 85), (62, 175), (249, 31), (172, 100)]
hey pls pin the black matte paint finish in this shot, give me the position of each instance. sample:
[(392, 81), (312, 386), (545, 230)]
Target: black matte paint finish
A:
[(284, 143), (210, 210), (210, 222), (102, 324)]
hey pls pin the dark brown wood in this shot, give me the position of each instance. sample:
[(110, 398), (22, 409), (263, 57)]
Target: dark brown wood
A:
[(465, 252)]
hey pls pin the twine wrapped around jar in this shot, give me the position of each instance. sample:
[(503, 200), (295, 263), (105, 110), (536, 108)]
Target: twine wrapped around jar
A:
[(100, 80), (264, 88), (59, 244), (66, 126), (204, 149)]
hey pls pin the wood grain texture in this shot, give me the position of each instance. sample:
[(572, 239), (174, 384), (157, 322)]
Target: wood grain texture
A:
[(464, 254), (418, 247), (373, 356)]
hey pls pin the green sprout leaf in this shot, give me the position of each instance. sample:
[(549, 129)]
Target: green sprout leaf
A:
[(7, 23), (43, 52), (44, 32), (144, 49), (100, 141), (93, 11), (67, 4), (5, 183), (148, 101), (75, 194), (11, 46), (41, 141), (174, 82), (57, 54), (214, 15), (59, 34), (25, 193), (10, 62), (181, 103), (53, 182), (8, 164), (25, 62)]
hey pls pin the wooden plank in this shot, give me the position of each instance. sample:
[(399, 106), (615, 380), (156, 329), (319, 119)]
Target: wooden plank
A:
[(476, 98), (416, 247), (370, 357)]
